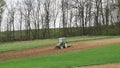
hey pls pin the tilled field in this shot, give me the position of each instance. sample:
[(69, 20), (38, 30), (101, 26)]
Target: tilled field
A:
[(47, 50)]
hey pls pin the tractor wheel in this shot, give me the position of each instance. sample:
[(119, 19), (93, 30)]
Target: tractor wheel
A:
[(66, 46), (61, 47)]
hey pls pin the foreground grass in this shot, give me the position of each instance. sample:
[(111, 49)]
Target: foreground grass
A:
[(102, 55), (38, 43)]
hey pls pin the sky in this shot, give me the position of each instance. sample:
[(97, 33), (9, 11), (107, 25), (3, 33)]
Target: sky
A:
[(11, 3), (5, 16)]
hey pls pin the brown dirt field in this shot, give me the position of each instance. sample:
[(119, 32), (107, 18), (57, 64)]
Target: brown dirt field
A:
[(47, 50), (114, 65)]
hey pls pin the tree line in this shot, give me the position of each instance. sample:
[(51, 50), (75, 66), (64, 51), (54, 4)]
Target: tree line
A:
[(40, 19)]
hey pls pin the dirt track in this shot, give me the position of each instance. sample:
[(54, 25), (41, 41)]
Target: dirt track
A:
[(51, 49), (115, 65)]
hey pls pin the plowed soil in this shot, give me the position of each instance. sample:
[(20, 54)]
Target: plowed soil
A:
[(115, 65), (47, 50)]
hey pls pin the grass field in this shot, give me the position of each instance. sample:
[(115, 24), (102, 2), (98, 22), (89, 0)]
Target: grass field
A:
[(102, 55), (38, 43)]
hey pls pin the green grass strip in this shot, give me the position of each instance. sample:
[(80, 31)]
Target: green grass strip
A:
[(102, 55), (39, 43)]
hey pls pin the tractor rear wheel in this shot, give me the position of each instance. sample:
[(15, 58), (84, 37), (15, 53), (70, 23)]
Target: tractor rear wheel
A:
[(61, 47)]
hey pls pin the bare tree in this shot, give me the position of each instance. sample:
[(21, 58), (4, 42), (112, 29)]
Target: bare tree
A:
[(2, 3), (74, 17), (55, 12), (10, 23), (63, 16), (64, 10), (20, 9), (117, 2), (28, 9), (38, 18)]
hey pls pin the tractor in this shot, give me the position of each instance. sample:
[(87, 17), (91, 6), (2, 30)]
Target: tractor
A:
[(62, 43)]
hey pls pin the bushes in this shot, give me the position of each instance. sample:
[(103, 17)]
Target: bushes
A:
[(111, 30), (104, 30), (59, 32)]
